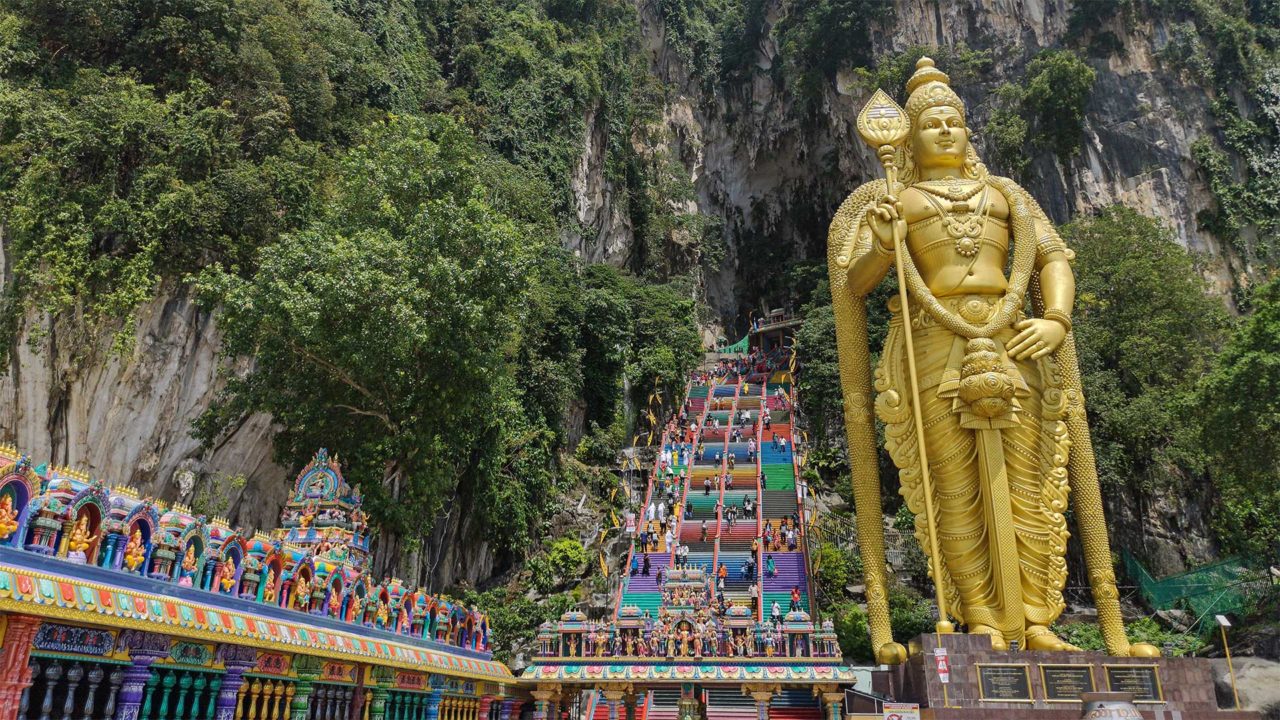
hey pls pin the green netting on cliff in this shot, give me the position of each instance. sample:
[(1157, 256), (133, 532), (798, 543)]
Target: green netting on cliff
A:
[(1223, 587)]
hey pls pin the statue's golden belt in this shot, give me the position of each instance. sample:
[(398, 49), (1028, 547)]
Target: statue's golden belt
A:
[(974, 308)]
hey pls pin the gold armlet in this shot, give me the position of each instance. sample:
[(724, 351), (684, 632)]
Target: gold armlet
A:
[(1058, 315)]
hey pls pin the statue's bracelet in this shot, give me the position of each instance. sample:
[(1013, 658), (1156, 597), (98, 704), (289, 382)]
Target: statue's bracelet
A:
[(1061, 317)]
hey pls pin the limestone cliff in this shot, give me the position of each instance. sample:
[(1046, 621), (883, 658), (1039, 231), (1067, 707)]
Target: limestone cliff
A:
[(770, 173)]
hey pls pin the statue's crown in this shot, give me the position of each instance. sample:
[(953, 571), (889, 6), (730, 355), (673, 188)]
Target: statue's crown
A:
[(930, 87)]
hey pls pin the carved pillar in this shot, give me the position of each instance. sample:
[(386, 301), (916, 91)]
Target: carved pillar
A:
[(237, 659), (542, 702), (308, 669), (762, 694), (831, 702), (630, 701), (433, 704), (15, 669), (377, 702), (510, 709), (482, 708), (612, 698), (144, 649)]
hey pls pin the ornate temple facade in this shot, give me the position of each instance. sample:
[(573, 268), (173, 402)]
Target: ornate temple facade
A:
[(115, 606)]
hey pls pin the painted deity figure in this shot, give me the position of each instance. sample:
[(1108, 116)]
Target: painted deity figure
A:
[(134, 551), (301, 594), (8, 517), (228, 575), (269, 587), (80, 537), (997, 378), (186, 577)]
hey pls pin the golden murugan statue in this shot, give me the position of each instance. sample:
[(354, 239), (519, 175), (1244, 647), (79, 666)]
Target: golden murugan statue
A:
[(8, 517), (991, 395), (80, 538), (134, 551)]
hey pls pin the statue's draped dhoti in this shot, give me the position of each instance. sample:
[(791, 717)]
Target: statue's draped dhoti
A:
[(999, 479)]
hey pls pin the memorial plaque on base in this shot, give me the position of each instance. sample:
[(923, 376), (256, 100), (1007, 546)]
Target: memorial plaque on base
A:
[(1141, 680), (1004, 682), (1066, 683)]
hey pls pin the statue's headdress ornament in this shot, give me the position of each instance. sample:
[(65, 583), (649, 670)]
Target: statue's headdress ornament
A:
[(930, 87)]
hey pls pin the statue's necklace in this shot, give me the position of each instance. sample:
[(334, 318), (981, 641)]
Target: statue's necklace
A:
[(963, 223), (953, 189)]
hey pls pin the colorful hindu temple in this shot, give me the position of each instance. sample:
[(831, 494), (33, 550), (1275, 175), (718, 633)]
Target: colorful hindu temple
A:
[(118, 607)]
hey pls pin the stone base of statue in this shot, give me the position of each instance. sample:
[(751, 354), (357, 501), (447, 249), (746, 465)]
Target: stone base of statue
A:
[(984, 684)]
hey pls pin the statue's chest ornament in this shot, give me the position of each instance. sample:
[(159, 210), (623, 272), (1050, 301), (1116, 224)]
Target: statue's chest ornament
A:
[(964, 221)]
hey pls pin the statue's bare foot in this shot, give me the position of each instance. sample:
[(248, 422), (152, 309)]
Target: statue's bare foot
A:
[(997, 638), (1040, 637), (1144, 650), (891, 653)]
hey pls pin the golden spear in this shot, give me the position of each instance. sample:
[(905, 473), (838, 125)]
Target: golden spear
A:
[(884, 126)]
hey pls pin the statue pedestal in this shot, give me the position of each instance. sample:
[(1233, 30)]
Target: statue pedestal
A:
[(984, 684)]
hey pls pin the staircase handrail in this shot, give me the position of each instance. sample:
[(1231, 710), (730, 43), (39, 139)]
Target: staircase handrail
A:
[(644, 508)]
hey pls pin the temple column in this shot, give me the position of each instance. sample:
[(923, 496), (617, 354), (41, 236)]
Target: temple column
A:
[(630, 702), (377, 702), (144, 649), (542, 702), (510, 709), (831, 702), (482, 707), (237, 659), (308, 669), (15, 668), (433, 704), (613, 698), (762, 694)]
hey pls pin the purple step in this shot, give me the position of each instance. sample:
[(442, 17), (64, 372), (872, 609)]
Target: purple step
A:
[(648, 583), (791, 572)]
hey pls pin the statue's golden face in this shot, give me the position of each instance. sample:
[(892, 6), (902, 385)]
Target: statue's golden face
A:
[(940, 139)]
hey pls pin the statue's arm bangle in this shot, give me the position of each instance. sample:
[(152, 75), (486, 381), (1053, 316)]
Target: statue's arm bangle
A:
[(1058, 315)]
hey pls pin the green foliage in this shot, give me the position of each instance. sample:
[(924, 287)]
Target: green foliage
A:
[(1233, 46), (914, 562), (1146, 332), (1241, 402), (819, 37), (648, 333), (853, 632), (1087, 636), (137, 144), (910, 615), (417, 255), (1084, 635), (1056, 89), (1006, 132), (1046, 108), (819, 384), (837, 568), (567, 557), (559, 566), (513, 618)]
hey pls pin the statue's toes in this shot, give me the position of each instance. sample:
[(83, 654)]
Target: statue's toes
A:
[(891, 653)]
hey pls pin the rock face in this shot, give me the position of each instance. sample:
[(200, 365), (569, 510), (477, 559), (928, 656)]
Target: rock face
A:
[(127, 419), (772, 176)]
